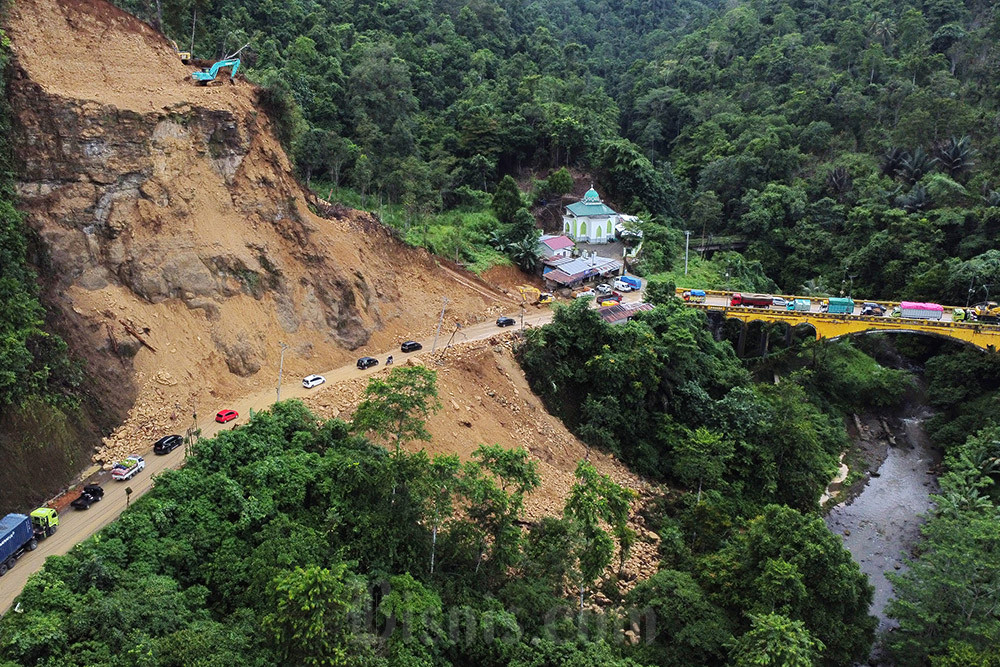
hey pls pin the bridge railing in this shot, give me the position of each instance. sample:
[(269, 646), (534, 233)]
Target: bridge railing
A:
[(888, 305), (890, 322)]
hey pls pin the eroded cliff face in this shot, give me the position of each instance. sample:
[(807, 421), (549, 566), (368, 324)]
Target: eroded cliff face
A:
[(160, 203), (170, 210)]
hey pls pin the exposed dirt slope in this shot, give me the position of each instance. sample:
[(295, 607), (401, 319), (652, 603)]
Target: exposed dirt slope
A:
[(171, 210), (486, 399)]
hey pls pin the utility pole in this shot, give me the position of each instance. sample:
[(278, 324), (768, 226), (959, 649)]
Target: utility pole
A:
[(444, 302), (687, 246), (281, 367)]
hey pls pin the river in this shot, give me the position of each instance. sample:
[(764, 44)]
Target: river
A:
[(880, 526)]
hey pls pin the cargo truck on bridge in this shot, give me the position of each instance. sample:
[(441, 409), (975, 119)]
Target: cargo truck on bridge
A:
[(19, 533), (843, 306), (753, 300), (918, 311)]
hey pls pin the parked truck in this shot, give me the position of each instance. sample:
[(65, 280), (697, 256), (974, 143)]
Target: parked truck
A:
[(20, 533), (128, 468), (754, 300)]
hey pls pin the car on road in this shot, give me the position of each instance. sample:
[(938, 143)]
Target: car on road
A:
[(311, 381), (873, 309), (367, 362), (411, 346), (91, 494), (779, 301), (225, 416), (505, 321), (167, 444)]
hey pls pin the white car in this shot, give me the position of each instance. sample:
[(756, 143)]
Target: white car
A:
[(623, 286), (311, 381), (584, 294), (603, 288), (779, 302)]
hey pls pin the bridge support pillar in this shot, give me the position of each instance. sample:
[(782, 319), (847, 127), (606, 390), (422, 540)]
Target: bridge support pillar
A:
[(765, 337), (788, 336), (741, 344)]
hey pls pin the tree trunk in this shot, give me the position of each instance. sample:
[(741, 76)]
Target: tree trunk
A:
[(434, 539), (159, 16), (194, 21)]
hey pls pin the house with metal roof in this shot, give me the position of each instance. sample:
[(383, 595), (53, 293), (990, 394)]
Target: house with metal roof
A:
[(622, 312), (590, 220), (550, 245), (571, 271)]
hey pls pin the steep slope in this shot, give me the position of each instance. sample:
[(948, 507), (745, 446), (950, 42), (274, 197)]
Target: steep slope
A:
[(486, 399), (172, 209)]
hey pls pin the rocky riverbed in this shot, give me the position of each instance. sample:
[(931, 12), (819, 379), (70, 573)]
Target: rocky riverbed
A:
[(882, 522)]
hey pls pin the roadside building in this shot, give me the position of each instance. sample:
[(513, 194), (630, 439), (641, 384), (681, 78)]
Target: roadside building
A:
[(622, 312), (572, 271), (551, 245)]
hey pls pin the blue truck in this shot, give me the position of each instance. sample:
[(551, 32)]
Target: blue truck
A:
[(634, 282), (20, 533)]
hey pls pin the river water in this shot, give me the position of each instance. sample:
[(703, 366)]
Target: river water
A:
[(880, 526)]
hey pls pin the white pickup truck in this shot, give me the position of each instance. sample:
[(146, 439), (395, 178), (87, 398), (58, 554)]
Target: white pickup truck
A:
[(128, 468)]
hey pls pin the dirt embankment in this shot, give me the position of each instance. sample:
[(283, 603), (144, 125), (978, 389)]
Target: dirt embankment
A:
[(169, 212), (485, 399)]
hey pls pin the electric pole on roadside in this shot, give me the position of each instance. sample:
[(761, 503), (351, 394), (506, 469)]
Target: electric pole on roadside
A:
[(444, 302), (281, 367), (687, 247)]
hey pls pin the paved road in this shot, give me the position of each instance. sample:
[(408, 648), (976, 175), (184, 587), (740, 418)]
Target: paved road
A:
[(76, 526)]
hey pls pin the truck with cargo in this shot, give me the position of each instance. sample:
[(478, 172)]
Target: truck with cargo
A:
[(918, 311), (128, 468), (799, 305), (838, 305), (754, 300), (634, 282), (20, 533), (694, 296)]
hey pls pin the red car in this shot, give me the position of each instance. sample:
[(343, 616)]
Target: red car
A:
[(226, 416)]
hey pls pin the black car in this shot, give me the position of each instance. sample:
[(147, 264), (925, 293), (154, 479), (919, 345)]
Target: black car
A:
[(167, 443), (505, 321), (91, 494), (411, 346), (367, 362), (874, 309)]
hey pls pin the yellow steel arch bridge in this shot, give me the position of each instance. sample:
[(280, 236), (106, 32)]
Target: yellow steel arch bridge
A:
[(828, 325)]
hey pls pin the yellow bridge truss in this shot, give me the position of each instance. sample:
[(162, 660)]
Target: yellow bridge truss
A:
[(984, 336)]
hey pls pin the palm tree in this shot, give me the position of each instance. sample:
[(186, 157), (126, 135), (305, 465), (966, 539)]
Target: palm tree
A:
[(915, 200), (916, 165), (892, 161), (814, 287), (524, 253), (955, 155), (882, 29)]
